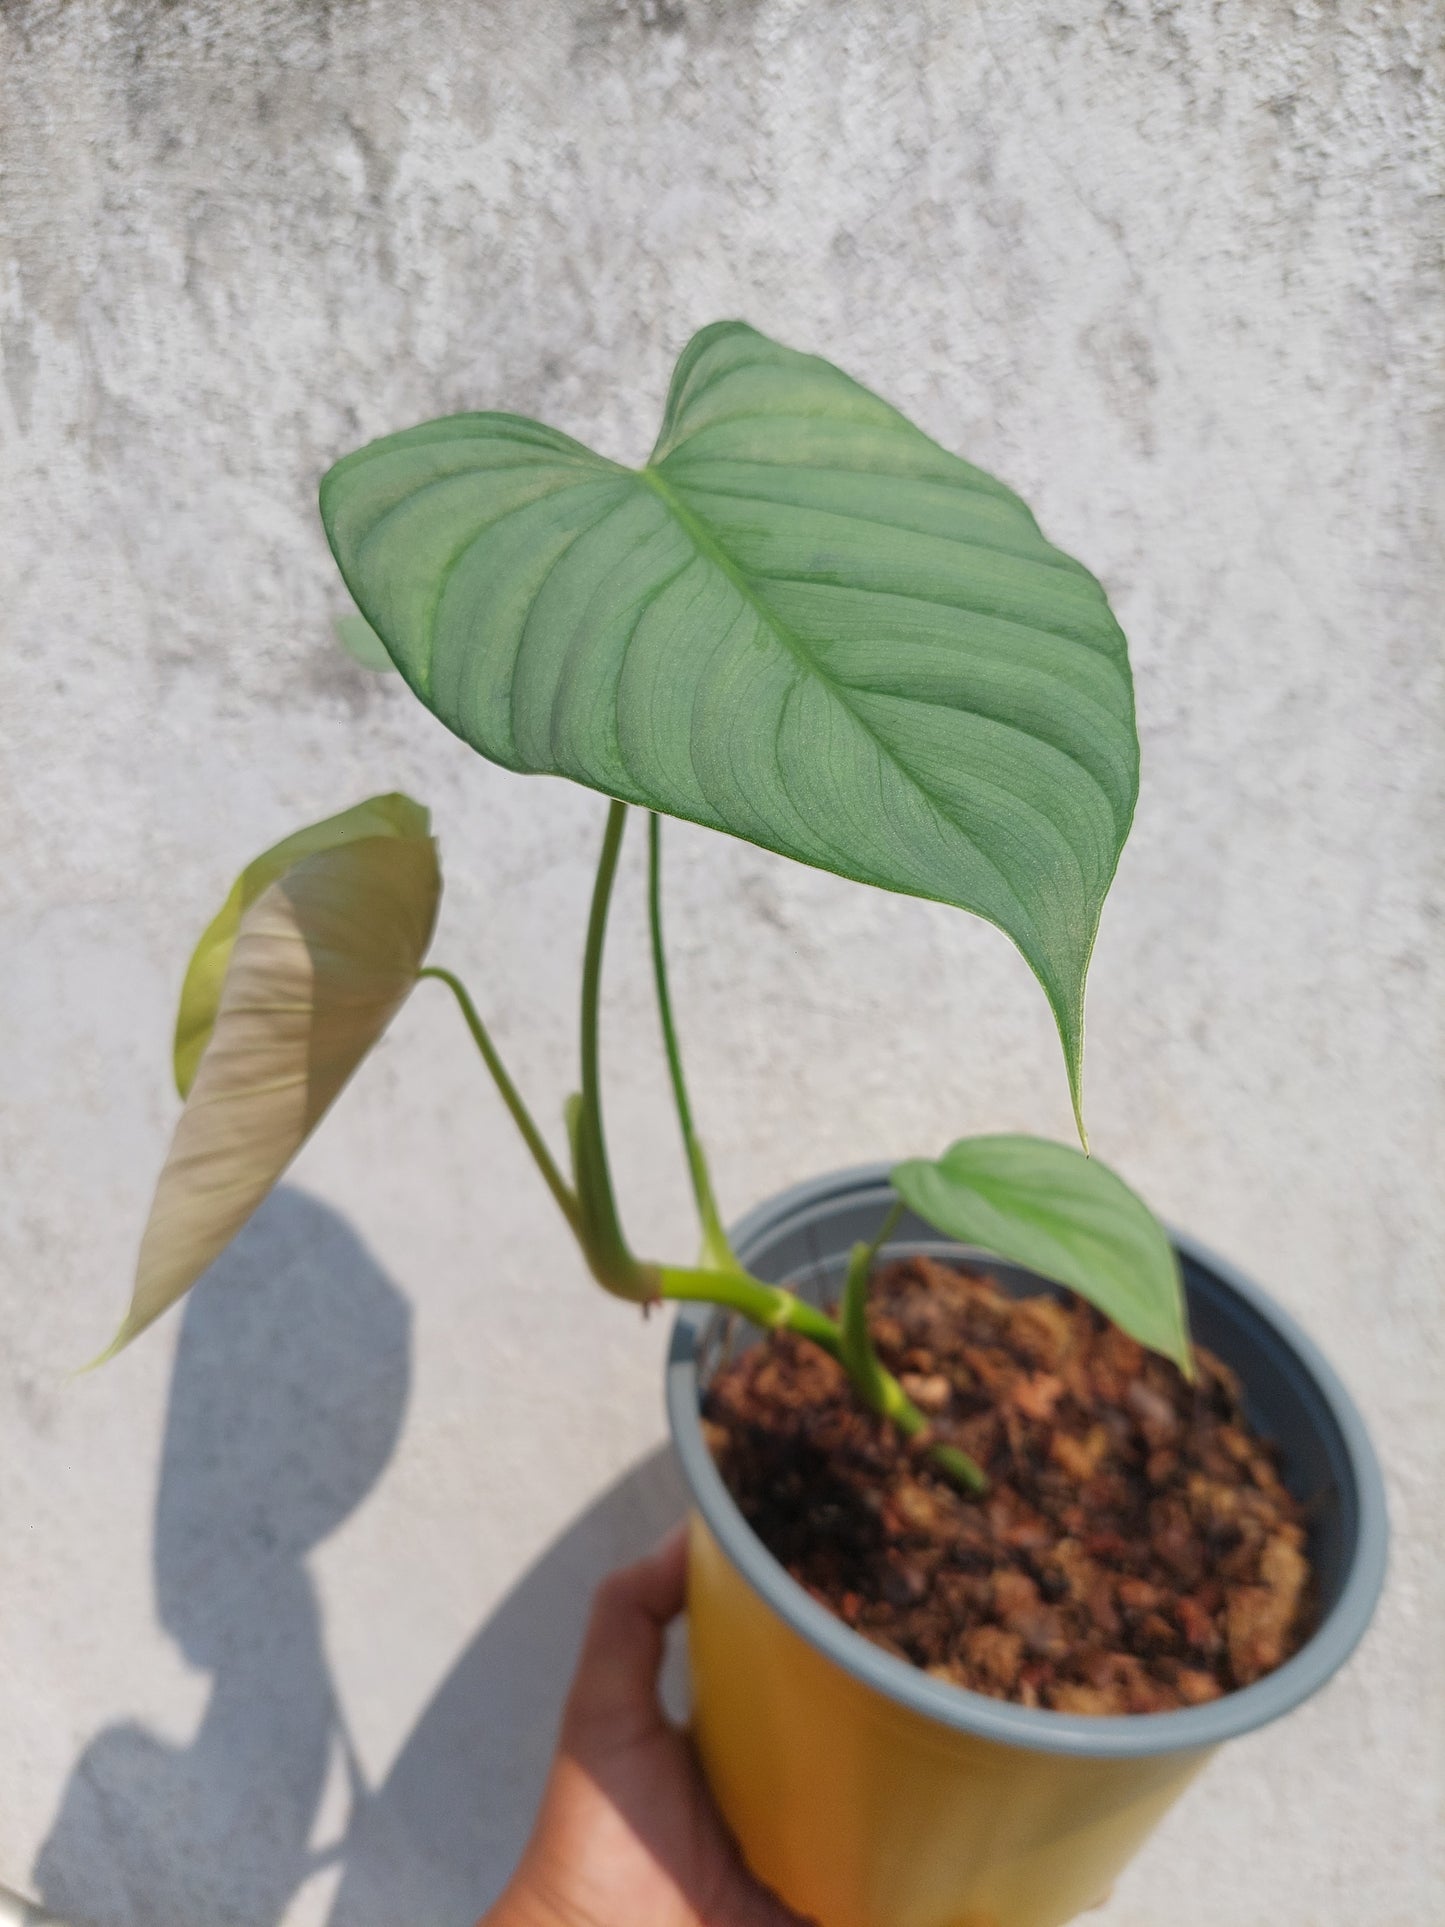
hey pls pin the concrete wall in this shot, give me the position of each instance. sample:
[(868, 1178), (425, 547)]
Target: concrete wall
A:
[(1170, 270)]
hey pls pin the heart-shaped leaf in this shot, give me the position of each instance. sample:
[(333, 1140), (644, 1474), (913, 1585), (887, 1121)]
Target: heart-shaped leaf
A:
[(392, 815), (802, 622), (315, 967), (1065, 1216)]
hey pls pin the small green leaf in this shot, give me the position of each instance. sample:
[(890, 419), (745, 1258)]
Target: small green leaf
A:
[(801, 622), (362, 643), (1065, 1216), (315, 968), (392, 815)]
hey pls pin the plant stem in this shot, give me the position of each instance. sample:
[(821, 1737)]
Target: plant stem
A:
[(606, 1248), (716, 1250), (775, 1309), (863, 1364), (874, 1383), (884, 1232), (591, 1209), (532, 1137), (769, 1306), (963, 1470), (890, 1401)]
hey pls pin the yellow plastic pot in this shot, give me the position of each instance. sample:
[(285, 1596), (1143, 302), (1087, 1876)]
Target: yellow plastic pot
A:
[(867, 1793)]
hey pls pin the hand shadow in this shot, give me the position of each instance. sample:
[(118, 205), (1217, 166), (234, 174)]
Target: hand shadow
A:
[(287, 1397), (438, 1840)]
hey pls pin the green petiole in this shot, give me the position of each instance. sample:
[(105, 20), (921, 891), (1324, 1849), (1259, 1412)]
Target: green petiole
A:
[(775, 1309), (601, 1234), (562, 1191), (768, 1306), (591, 1208), (874, 1383), (716, 1250), (865, 1368)]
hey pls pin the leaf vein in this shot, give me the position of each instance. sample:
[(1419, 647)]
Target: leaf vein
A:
[(708, 546), (428, 624), (898, 431), (1054, 559)]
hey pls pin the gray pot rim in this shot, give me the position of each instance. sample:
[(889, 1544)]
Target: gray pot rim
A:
[(1126, 1736)]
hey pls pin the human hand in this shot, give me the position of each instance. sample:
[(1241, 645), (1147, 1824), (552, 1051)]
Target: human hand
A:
[(627, 1834)]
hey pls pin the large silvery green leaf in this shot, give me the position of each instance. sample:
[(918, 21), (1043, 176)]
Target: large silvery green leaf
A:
[(802, 622), (392, 815), (1064, 1215), (316, 967)]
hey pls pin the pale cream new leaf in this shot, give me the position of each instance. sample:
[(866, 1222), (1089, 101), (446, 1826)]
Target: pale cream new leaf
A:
[(321, 962), (391, 815)]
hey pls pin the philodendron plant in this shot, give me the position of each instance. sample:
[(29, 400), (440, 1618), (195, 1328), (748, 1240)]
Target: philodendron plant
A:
[(801, 622)]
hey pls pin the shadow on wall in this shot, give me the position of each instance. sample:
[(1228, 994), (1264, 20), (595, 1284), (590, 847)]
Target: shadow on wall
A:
[(437, 1841), (289, 1389)]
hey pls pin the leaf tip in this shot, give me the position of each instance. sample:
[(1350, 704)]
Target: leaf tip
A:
[(1072, 1030), (1067, 1005), (184, 1059), (112, 1350)]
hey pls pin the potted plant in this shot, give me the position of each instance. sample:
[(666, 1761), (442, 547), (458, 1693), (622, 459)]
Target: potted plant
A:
[(1057, 1562)]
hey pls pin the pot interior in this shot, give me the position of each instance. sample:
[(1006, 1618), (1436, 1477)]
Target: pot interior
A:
[(803, 1239)]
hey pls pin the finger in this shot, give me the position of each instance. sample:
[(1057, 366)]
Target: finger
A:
[(614, 1692)]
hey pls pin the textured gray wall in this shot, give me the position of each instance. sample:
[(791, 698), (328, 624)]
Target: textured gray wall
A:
[(1169, 269)]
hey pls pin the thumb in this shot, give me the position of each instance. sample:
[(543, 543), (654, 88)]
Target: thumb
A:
[(613, 1701)]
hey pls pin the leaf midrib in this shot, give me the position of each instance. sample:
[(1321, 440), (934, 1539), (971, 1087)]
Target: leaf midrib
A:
[(707, 545)]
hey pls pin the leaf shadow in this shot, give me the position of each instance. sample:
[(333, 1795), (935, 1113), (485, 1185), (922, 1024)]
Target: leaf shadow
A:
[(437, 1841), (287, 1397)]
